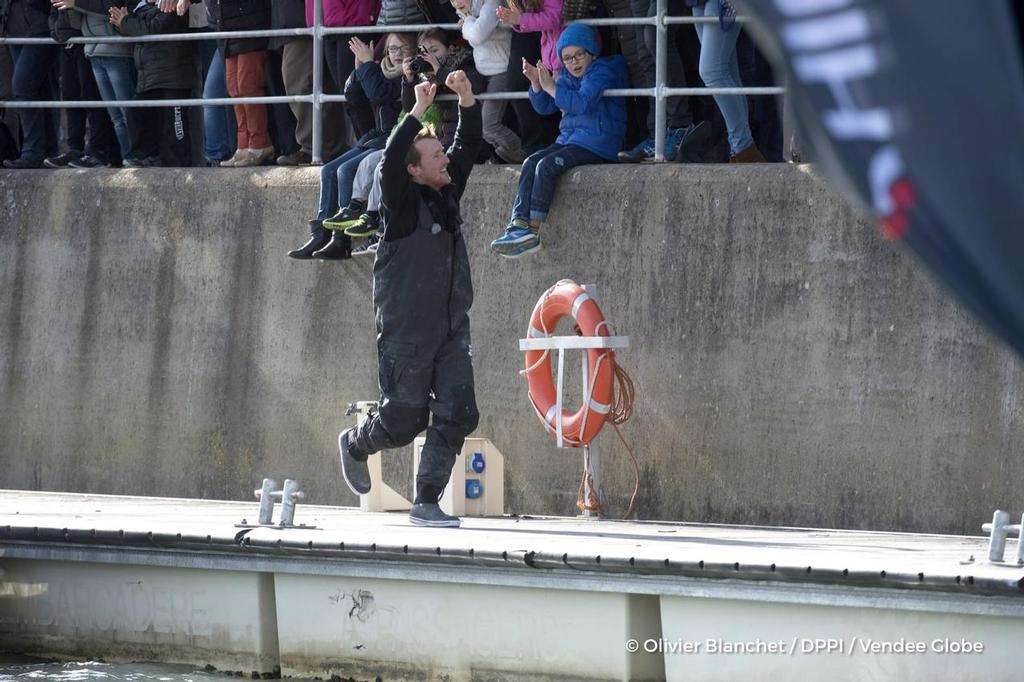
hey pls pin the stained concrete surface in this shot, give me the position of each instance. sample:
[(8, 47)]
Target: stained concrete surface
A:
[(791, 367)]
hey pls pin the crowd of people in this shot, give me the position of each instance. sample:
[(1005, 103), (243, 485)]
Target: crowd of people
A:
[(502, 46)]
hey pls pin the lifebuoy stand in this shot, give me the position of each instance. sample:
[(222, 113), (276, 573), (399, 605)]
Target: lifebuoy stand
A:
[(591, 451)]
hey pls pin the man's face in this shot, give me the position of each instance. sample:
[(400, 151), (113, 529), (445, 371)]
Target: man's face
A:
[(432, 169)]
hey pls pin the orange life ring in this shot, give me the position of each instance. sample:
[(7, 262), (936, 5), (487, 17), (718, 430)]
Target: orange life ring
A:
[(580, 427)]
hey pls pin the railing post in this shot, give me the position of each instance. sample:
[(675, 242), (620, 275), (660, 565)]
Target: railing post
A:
[(318, 80), (660, 78)]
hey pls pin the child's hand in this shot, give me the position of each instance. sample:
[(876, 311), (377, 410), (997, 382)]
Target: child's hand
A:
[(511, 15), (63, 4), (410, 75), (117, 15), (363, 52), (546, 79), (530, 71)]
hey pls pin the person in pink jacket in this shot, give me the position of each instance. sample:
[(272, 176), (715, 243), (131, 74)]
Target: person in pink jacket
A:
[(340, 60), (543, 16)]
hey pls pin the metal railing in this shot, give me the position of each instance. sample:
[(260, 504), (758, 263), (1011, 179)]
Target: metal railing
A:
[(659, 92)]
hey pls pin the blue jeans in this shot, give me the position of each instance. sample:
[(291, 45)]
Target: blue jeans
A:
[(31, 81), (540, 174), (115, 78), (720, 69), (336, 178), (218, 122)]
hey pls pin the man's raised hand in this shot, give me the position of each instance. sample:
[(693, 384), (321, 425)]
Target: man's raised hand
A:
[(425, 93), (458, 83)]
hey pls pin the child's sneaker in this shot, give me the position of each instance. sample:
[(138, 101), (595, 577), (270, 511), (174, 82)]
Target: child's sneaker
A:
[(369, 248), (347, 216), (366, 226), (516, 232), (530, 244)]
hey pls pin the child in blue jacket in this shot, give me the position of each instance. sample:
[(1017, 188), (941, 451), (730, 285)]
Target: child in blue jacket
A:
[(592, 130)]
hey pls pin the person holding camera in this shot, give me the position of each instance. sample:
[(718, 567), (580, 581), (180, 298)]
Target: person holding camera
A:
[(422, 292), (438, 56)]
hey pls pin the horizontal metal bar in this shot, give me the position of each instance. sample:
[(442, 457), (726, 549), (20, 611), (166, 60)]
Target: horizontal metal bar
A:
[(574, 342), (136, 103), (332, 31), (518, 576), (167, 37)]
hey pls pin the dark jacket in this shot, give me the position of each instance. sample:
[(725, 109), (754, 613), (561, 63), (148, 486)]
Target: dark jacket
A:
[(367, 87), (458, 58), (422, 289), (25, 18), (287, 14), (438, 11), (239, 15), (161, 65)]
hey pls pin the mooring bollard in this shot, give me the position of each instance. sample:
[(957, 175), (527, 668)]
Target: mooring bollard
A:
[(288, 497), (999, 530)]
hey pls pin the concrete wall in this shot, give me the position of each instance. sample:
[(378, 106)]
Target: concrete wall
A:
[(790, 366)]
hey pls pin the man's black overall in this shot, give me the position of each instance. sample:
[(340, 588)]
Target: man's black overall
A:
[(422, 293)]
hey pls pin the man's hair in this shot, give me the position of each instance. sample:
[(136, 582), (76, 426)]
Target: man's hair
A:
[(412, 157)]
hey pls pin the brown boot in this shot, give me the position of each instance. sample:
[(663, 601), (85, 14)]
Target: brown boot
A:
[(749, 155)]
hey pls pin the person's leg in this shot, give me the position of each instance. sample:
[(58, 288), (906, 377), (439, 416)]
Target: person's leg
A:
[(329, 184), (506, 143), (527, 175), (535, 132), (217, 121), (549, 170), (454, 415), (122, 76), (251, 83), (231, 76), (280, 119), (765, 123), (101, 142), (29, 83), (175, 145), (145, 126), (362, 185), (347, 174), (718, 69), (71, 91), (297, 73)]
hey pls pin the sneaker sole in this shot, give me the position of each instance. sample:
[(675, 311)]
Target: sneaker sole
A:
[(340, 224), (344, 471), (435, 524), (364, 252), (505, 247), (519, 254), (359, 233)]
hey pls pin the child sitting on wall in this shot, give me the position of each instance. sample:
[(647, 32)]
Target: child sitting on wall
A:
[(592, 130)]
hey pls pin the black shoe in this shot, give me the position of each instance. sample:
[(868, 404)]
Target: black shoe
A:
[(89, 161), (427, 514), (299, 158), (347, 216), (63, 160), (339, 248), (366, 226), (701, 145), (22, 164), (356, 472), (318, 239)]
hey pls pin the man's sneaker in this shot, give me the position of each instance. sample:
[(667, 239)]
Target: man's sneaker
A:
[(296, 158), (366, 226), (529, 245), (63, 160), (673, 139), (23, 163), (356, 473), (347, 216), (425, 514), (367, 249), (90, 161), (642, 152)]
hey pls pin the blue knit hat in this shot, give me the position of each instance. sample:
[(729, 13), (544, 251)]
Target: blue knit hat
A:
[(578, 35)]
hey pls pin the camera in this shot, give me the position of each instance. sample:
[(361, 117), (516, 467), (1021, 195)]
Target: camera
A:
[(420, 65)]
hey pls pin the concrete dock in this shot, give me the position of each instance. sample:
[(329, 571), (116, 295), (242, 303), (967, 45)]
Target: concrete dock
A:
[(366, 595)]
